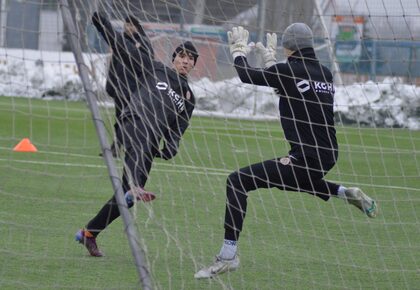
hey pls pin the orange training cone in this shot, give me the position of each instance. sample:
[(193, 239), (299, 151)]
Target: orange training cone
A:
[(25, 146)]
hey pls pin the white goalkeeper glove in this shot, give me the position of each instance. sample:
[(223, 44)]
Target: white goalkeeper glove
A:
[(238, 41), (268, 53)]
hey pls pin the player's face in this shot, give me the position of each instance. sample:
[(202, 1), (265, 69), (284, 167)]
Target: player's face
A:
[(288, 52), (183, 63), (129, 28)]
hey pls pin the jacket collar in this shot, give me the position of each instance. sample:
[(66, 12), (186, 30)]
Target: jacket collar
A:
[(305, 53)]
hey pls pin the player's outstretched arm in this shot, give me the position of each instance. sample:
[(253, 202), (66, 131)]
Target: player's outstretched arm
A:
[(239, 49), (146, 44), (104, 27), (129, 52)]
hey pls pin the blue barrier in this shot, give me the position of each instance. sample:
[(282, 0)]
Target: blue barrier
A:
[(383, 58)]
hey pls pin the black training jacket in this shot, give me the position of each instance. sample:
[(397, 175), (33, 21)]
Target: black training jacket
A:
[(120, 80), (162, 100), (306, 92)]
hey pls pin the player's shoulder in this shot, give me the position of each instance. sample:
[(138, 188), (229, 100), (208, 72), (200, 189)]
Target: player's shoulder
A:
[(283, 64), (326, 72), (158, 68), (281, 68)]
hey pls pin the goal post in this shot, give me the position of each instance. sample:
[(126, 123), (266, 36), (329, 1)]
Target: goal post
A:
[(131, 231)]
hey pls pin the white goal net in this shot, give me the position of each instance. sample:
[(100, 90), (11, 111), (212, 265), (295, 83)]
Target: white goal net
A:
[(54, 181)]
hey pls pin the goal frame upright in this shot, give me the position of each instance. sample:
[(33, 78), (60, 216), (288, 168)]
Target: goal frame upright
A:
[(131, 232)]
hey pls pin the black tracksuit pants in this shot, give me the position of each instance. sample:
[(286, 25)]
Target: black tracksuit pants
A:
[(287, 173), (140, 146)]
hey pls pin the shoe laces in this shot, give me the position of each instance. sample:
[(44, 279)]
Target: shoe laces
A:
[(372, 207)]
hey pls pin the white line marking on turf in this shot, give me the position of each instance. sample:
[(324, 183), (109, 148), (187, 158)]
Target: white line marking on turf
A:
[(187, 168)]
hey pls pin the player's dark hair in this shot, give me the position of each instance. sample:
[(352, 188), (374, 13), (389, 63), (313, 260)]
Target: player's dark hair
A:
[(187, 47)]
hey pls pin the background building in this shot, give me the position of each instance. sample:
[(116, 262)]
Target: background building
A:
[(369, 38)]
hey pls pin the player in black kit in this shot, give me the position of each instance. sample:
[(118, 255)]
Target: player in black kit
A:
[(306, 96), (159, 109)]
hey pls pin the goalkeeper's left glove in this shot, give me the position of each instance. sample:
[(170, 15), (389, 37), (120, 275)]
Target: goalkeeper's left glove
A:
[(238, 41), (268, 53)]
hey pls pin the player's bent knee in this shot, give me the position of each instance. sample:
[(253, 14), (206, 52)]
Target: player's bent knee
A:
[(234, 180)]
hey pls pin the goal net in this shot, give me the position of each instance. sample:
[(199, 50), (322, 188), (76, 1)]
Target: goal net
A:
[(53, 178)]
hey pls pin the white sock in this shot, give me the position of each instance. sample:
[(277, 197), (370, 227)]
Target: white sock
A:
[(341, 192), (228, 250)]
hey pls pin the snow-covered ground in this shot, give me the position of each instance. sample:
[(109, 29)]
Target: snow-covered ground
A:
[(36, 74), (387, 104)]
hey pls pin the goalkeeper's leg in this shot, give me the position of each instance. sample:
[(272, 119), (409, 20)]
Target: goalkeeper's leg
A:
[(109, 212), (137, 164), (359, 199), (261, 175), (285, 173), (311, 174)]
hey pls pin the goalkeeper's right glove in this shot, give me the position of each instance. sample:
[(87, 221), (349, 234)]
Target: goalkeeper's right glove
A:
[(238, 41), (268, 53)]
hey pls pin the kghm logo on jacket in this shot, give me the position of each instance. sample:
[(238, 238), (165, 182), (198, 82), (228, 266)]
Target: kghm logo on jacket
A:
[(326, 88), (319, 87), (176, 99), (303, 86)]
